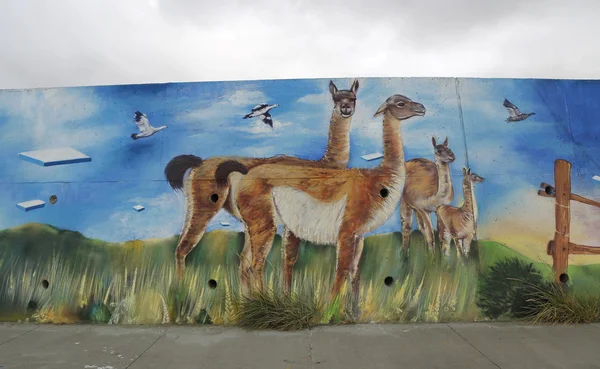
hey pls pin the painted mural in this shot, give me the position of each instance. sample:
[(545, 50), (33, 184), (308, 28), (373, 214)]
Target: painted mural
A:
[(384, 199)]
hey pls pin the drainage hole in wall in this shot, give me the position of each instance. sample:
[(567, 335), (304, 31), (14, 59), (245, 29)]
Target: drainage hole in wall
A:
[(32, 305), (388, 281), (212, 284), (214, 197), (563, 278), (53, 199), (384, 192), (45, 283)]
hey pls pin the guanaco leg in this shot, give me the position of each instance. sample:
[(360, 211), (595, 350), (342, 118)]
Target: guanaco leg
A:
[(345, 253), (355, 275), (289, 249), (406, 217), (426, 227), (245, 263)]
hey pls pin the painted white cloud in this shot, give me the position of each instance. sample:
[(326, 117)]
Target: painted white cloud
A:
[(162, 218), (315, 98), (48, 118), (235, 105)]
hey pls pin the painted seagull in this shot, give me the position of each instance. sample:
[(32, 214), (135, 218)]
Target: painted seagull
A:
[(262, 111), (515, 113), (146, 130)]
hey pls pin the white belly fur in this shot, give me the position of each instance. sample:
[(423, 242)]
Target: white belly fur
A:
[(308, 218)]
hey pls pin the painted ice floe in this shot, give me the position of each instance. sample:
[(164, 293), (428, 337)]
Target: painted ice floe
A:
[(373, 156), (225, 224), (138, 208), (54, 156), (31, 205), (597, 178)]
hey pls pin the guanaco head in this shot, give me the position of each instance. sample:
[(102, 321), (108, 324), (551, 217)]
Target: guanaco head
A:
[(344, 100), (401, 107), (442, 151), (471, 176)]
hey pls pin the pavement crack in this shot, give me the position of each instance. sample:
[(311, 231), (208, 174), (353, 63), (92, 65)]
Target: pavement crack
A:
[(149, 347), (476, 349), (22, 334)]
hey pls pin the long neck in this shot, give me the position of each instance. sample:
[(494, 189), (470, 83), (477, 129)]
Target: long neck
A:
[(444, 179), (393, 148), (469, 205), (338, 146)]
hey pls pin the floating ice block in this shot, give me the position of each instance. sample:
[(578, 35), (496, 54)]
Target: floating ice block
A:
[(31, 205), (597, 178), (56, 156), (138, 208), (369, 157), (225, 224)]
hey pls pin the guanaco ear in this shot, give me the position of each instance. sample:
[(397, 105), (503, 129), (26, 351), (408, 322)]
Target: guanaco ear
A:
[(464, 170), (433, 141), (354, 87), (469, 171), (332, 88), (381, 109), (446, 141)]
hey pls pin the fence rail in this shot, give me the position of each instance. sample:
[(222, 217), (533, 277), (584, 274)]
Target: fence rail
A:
[(560, 247)]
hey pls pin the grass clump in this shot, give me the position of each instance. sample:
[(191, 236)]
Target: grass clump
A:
[(276, 311), (558, 304), (508, 289)]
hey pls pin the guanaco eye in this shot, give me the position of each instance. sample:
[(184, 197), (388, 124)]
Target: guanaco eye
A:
[(400, 104)]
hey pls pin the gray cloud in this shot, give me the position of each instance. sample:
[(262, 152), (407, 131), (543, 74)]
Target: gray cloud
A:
[(68, 42)]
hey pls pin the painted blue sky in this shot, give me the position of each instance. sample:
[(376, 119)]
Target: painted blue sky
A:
[(205, 119)]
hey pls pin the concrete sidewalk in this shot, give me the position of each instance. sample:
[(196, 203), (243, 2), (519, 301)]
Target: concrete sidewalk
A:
[(464, 346)]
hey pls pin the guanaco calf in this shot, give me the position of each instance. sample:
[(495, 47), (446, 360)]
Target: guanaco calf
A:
[(428, 186), (207, 191), (323, 205), (460, 223)]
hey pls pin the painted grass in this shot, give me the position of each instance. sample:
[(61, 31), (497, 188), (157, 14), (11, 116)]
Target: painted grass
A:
[(134, 279)]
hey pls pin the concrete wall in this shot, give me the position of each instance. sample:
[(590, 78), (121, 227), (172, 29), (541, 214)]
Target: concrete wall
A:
[(91, 226)]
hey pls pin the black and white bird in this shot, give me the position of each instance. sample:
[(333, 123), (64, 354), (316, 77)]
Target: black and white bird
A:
[(146, 130), (262, 111), (515, 113)]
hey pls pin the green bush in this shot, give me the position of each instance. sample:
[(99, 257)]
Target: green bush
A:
[(509, 289)]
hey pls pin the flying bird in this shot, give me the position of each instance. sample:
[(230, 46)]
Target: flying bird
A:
[(146, 129), (262, 111), (515, 113)]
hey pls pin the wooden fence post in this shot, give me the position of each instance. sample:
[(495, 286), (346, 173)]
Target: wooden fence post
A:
[(560, 255)]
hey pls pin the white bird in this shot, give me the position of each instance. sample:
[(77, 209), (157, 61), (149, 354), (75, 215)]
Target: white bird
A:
[(262, 111), (146, 129)]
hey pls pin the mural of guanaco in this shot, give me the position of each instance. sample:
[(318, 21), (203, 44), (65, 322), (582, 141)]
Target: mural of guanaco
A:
[(322, 205), (206, 188), (428, 186), (460, 223)]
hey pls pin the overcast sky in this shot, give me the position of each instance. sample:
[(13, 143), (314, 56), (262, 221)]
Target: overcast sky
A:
[(73, 42)]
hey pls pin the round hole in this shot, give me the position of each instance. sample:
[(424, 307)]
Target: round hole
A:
[(32, 305), (563, 278), (214, 197), (384, 192), (45, 283), (388, 281), (212, 284), (53, 199), (549, 190)]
